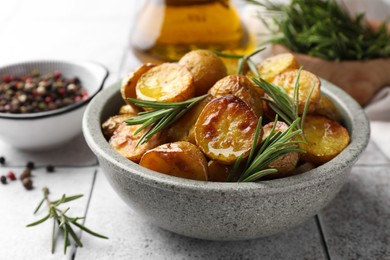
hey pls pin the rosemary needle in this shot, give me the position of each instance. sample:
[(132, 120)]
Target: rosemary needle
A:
[(163, 115)]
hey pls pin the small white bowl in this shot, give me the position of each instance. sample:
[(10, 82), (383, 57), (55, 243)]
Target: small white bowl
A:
[(49, 129)]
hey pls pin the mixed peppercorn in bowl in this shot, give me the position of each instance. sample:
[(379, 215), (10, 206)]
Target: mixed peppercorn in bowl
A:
[(42, 102)]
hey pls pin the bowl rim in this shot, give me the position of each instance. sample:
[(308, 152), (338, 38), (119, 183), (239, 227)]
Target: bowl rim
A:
[(98, 70), (340, 164)]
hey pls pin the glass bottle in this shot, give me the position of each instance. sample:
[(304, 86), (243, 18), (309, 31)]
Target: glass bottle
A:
[(167, 29)]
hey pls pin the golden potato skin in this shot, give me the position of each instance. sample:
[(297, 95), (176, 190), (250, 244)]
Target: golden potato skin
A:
[(180, 159), (242, 87), (325, 138), (286, 163), (217, 172), (129, 109), (275, 65), (307, 80), (129, 82), (206, 68), (111, 124), (184, 128), (325, 107), (225, 129), (167, 82), (125, 142)]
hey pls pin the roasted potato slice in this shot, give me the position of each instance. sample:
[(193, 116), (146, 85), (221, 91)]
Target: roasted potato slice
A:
[(111, 124), (181, 159), (217, 172), (275, 65), (184, 128), (125, 142), (225, 129), (286, 163), (167, 82), (325, 107), (206, 68), (129, 109), (325, 138), (307, 81), (240, 86), (129, 82)]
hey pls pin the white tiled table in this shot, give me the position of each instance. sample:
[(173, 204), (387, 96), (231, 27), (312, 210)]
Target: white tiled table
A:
[(356, 225)]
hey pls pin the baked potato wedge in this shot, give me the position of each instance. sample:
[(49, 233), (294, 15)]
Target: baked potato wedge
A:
[(307, 81), (217, 172), (286, 163), (111, 124), (180, 159), (325, 107), (167, 82), (275, 65), (129, 83), (325, 138), (206, 68), (240, 86), (225, 129), (125, 142), (184, 128), (129, 110)]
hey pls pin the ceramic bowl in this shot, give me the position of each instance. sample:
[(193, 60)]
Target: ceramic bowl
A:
[(49, 129), (225, 211)]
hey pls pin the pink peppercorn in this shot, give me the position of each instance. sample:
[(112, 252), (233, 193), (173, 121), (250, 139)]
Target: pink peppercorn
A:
[(11, 176)]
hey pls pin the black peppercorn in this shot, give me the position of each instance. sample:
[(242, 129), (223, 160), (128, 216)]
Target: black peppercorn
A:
[(3, 179), (30, 165), (27, 183), (2, 160), (50, 168)]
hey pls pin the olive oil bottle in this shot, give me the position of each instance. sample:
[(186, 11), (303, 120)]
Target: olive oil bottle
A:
[(167, 29)]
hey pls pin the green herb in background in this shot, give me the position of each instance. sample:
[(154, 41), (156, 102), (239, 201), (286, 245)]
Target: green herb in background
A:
[(61, 221), (325, 29)]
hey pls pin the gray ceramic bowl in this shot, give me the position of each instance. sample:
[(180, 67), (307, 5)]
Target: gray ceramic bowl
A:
[(49, 129), (225, 211)]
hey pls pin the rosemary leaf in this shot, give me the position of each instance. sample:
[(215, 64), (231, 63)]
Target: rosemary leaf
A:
[(89, 231), (39, 221), (163, 115)]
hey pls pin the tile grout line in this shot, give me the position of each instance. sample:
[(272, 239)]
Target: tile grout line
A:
[(380, 150), (74, 247), (322, 236)]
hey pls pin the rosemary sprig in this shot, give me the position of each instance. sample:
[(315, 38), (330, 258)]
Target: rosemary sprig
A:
[(163, 115), (281, 103), (61, 221), (276, 145), (242, 60), (325, 29)]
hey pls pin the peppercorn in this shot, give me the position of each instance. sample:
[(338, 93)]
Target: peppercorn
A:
[(26, 174), (30, 165), (11, 176), (2, 160), (27, 183), (3, 179), (50, 168)]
